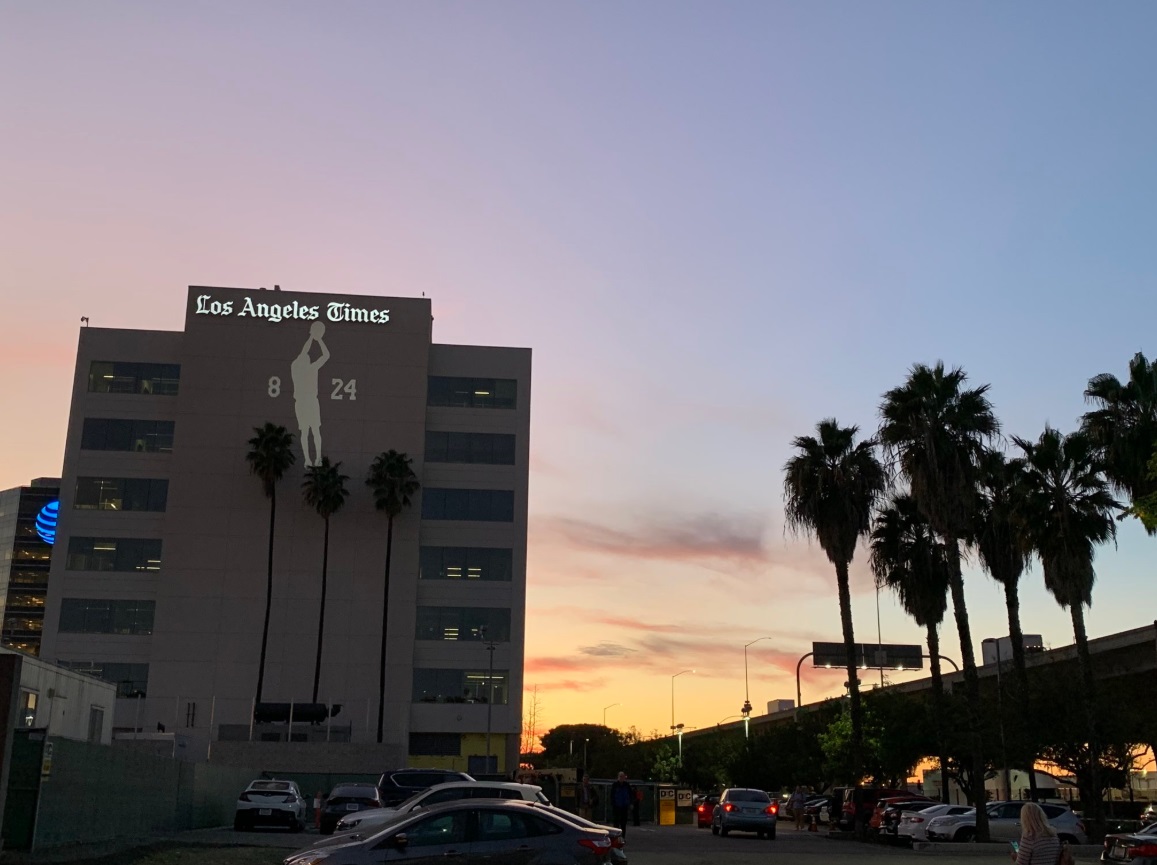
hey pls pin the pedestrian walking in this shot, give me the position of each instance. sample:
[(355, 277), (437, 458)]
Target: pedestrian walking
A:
[(1039, 844), (588, 799), (622, 795), (796, 805)]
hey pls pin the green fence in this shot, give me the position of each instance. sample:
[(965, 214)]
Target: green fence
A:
[(97, 794)]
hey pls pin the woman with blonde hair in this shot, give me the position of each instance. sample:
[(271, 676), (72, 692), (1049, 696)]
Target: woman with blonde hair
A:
[(1039, 844)]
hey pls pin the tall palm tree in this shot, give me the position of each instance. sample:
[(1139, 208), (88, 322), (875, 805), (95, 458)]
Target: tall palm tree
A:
[(830, 489), (1004, 550), (325, 492), (1070, 511), (393, 483), (270, 456), (907, 557), (1124, 428), (935, 431)]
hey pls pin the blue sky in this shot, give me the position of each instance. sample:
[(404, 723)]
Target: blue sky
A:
[(716, 224)]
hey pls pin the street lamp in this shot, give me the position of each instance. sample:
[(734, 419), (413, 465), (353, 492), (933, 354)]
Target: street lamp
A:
[(1000, 717), (679, 732), (746, 691), (605, 712), (673, 678)]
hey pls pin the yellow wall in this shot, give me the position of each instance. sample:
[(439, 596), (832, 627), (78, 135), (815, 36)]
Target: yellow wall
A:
[(472, 744)]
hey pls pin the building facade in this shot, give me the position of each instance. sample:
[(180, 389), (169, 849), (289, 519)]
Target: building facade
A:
[(27, 532), (159, 571)]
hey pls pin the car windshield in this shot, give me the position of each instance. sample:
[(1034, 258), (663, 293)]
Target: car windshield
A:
[(338, 801), (358, 791), (269, 786), (748, 796)]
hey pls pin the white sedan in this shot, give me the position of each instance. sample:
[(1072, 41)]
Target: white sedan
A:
[(270, 802), (913, 825), (368, 821)]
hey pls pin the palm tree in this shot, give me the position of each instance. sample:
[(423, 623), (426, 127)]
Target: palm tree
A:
[(393, 483), (830, 489), (907, 557), (1124, 428), (935, 431), (270, 456), (1004, 550), (1070, 511), (325, 492)]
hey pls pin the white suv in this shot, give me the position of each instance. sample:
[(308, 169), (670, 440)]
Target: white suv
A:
[(367, 821), (270, 802)]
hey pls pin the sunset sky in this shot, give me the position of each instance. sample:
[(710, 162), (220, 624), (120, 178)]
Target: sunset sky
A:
[(714, 223)]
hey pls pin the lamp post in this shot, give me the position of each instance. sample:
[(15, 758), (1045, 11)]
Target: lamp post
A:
[(673, 678), (605, 712), (679, 733), (1000, 718), (746, 691)]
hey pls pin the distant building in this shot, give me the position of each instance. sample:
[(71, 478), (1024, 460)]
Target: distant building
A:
[(989, 647), (59, 701), (27, 533), (774, 706)]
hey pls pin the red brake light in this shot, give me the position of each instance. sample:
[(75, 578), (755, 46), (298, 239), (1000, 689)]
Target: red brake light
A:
[(618, 842), (1143, 850), (729, 807), (916, 819), (702, 808), (599, 845), (772, 809)]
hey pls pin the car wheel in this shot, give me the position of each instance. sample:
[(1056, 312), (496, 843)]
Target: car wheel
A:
[(723, 830), (714, 829), (239, 823), (759, 834), (966, 835)]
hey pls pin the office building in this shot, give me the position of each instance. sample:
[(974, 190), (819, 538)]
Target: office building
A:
[(27, 532)]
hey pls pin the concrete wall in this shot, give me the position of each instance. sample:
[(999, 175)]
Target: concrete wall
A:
[(311, 758), (64, 699)]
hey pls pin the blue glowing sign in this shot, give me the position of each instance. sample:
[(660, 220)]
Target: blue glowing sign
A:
[(46, 522)]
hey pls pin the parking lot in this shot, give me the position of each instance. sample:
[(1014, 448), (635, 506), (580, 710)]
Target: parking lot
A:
[(686, 845)]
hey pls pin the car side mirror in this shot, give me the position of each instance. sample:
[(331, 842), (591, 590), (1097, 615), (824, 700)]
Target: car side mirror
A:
[(400, 840)]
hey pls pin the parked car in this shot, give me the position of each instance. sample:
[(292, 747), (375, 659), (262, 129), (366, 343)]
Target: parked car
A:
[(812, 810), (1139, 848), (746, 810), (397, 785), (345, 799), (451, 791), (1004, 823), (270, 802), (914, 823), (618, 854), (705, 811), (487, 831), (1149, 815), (887, 813), (860, 803)]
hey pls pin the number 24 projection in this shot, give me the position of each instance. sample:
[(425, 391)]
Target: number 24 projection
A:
[(341, 388)]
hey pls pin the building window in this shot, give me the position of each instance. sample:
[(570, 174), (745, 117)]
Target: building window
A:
[(92, 616), (459, 686), (158, 379), (489, 564), (95, 723), (31, 578), (484, 505), (120, 434), (464, 623), (471, 392), (131, 680), (113, 554), (466, 447), (121, 494), (436, 744), (27, 716)]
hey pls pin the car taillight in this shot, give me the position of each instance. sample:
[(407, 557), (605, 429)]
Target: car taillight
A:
[(619, 842), (772, 809), (598, 845), (244, 797), (289, 799), (728, 807), (702, 808), (1143, 850), (916, 819)]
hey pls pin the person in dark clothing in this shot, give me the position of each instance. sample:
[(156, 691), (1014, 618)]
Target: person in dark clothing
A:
[(622, 796), (636, 805)]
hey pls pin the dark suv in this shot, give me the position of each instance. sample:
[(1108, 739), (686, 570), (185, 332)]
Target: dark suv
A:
[(397, 785)]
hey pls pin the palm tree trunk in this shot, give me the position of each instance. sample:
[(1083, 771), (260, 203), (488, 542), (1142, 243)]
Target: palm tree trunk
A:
[(321, 610), (385, 624), (1093, 809), (1012, 602), (971, 687), (268, 598), (938, 706), (853, 683)]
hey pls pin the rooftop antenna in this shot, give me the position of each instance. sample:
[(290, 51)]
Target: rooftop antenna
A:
[(84, 318), (277, 288)]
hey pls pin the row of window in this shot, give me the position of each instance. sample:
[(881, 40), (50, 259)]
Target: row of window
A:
[(95, 616), (125, 434), (457, 392), (158, 379), (131, 680), (464, 623), (460, 686), (121, 494), (489, 564), (470, 447), (482, 505), (113, 554)]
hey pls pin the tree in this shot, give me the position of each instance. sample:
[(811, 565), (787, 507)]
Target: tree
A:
[(1124, 428), (1069, 512), (831, 487), (270, 456), (324, 491), (393, 483), (935, 431), (1144, 507), (1004, 549), (907, 557)]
